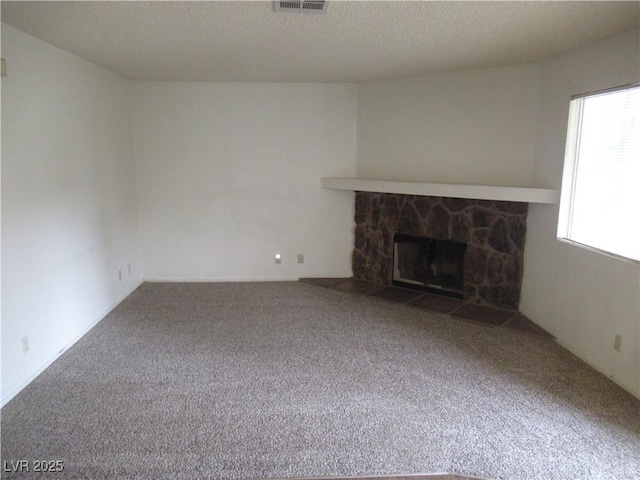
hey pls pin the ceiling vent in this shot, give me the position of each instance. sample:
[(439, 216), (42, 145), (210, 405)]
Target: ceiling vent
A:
[(301, 6)]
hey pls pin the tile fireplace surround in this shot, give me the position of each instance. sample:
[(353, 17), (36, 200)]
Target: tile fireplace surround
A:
[(494, 232)]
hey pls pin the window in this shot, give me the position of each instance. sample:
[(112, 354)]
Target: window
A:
[(600, 203)]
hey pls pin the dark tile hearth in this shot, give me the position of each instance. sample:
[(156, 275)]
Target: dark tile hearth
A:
[(479, 313), (438, 303), (458, 309), (353, 285), (395, 294), (324, 281), (523, 324)]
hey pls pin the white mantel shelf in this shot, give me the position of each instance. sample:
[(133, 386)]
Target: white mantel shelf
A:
[(453, 190)]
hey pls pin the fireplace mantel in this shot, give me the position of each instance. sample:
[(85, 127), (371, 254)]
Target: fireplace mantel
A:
[(452, 190)]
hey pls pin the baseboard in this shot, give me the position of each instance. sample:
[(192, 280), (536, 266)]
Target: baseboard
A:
[(6, 399), (622, 385)]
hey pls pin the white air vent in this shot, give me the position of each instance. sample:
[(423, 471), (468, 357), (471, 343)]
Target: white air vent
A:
[(301, 6)]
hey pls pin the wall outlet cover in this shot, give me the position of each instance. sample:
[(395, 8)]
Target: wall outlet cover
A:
[(617, 342)]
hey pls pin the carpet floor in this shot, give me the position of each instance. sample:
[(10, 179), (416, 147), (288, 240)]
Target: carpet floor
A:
[(255, 380)]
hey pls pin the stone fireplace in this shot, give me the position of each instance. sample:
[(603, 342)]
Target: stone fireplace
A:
[(493, 232)]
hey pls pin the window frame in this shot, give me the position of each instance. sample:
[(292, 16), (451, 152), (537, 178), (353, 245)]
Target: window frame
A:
[(570, 172)]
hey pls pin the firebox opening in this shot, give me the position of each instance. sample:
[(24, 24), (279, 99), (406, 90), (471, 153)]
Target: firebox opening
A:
[(430, 265)]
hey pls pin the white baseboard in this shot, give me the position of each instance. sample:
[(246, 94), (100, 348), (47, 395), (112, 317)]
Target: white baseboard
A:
[(628, 388), (7, 398)]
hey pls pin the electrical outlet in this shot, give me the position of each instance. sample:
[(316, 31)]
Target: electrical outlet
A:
[(25, 344), (300, 258), (278, 259), (617, 342), (129, 268), (119, 275)]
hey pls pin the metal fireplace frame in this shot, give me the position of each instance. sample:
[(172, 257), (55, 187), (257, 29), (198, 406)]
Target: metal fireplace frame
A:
[(428, 243)]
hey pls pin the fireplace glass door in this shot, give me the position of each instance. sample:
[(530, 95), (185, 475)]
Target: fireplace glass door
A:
[(428, 264)]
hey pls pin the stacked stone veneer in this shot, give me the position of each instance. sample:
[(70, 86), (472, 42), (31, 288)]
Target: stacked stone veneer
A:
[(494, 232)]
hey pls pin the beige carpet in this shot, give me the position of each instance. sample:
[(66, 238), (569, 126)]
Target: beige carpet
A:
[(279, 380)]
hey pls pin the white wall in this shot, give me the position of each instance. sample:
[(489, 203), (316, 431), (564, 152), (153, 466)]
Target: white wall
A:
[(466, 127), (229, 175), (583, 298), (68, 202)]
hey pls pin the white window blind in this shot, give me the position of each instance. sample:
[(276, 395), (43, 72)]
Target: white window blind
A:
[(600, 201)]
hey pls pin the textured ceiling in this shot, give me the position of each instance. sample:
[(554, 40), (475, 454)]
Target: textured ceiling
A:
[(352, 42)]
